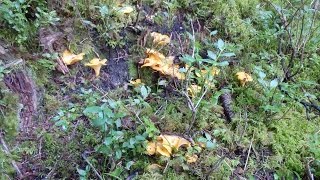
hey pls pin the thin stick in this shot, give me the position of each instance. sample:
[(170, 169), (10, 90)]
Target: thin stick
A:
[(245, 166), (7, 152), (94, 169)]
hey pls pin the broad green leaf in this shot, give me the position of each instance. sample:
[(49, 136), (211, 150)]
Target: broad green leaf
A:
[(212, 55), (92, 109), (220, 44), (144, 92), (118, 154), (210, 145), (98, 122), (118, 123), (107, 141)]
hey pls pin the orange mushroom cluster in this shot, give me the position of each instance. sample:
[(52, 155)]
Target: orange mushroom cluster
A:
[(165, 145), (162, 64)]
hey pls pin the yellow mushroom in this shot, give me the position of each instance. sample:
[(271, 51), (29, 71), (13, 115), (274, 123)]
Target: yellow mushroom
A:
[(136, 83), (166, 144), (243, 78), (69, 58), (191, 159), (160, 39), (193, 90), (96, 64)]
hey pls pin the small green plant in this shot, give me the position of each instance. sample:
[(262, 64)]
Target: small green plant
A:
[(117, 141), (22, 18), (65, 116), (109, 20)]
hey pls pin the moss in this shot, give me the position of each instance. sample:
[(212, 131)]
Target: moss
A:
[(52, 104), (9, 112), (290, 143)]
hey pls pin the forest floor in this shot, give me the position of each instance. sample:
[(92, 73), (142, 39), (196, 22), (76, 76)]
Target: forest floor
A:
[(189, 90)]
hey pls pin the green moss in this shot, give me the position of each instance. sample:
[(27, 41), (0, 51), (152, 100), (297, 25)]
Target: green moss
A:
[(9, 109), (290, 143)]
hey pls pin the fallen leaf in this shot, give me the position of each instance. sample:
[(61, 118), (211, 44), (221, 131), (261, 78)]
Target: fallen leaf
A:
[(243, 78), (160, 39), (191, 159), (96, 65), (68, 58)]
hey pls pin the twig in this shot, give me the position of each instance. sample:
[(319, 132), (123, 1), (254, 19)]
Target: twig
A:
[(245, 166), (7, 152), (193, 39), (310, 175), (94, 169), (16, 62)]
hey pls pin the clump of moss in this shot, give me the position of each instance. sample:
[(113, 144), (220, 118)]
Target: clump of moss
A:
[(9, 112), (290, 144)]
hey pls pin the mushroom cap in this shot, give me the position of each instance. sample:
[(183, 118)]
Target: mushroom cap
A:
[(96, 65), (68, 58)]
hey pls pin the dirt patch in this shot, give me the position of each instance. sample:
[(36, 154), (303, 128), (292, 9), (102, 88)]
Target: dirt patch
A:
[(116, 72)]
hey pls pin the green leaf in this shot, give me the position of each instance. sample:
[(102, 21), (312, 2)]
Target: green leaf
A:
[(81, 172), (274, 83), (220, 44), (144, 92), (103, 10), (98, 122), (140, 138), (208, 136), (212, 55), (228, 54), (223, 63), (118, 154), (92, 109), (118, 123), (107, 141), (210, 145), (188, 59), (129, 164), (212, 33), (262, 75)]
